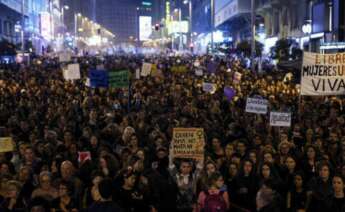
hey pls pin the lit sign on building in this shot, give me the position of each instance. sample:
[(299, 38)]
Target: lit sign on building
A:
[(177, 27), (145, 27), (46, 27)]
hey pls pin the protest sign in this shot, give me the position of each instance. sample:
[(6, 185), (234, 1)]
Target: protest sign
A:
[(209, 87), (199, 72), (179, 69), (279, 119), (84, 156), (237, 77), (146, 69), (323, 74), (212, 67), (229, 93), (258, 106), (6, 144), (72, 72), (64, 57), (119, 79), (98, 78), (188, 143)]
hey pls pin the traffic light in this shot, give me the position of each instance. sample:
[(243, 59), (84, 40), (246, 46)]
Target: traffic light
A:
[(157, 27)]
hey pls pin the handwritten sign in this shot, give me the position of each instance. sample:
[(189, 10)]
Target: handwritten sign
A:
[(188, 143), (6, 144), (278, 119), (255, 105)]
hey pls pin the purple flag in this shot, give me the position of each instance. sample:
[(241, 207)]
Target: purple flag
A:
[(229, 93)]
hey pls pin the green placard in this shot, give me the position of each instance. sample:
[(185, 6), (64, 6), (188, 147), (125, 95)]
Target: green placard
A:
[(119, 79)]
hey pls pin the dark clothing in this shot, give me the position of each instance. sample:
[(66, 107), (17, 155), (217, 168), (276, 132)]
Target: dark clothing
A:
[(298, 200), (245, 188), (131, 201), (337, 205), (56, 205), (108, 206)]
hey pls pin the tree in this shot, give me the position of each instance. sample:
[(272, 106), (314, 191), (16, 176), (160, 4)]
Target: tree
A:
[(286, 49), (245, 48)]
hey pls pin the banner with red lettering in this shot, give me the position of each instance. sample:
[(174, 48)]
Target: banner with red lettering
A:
[(323, 74)]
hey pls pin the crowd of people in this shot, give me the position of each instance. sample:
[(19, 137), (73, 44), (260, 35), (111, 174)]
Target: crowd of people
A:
[(248, 164)]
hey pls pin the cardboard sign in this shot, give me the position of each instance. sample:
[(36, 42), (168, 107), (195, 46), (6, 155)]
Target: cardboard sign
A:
[(278, 119), (237, 77), (84, 156), (6, 144), (119, 79), (146, 69), (72, 72), (209, 87), (188, 143), (258, 106), (323, 74)]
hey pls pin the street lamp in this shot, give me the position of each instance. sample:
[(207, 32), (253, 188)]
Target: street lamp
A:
[(306, 29), (65, 7)]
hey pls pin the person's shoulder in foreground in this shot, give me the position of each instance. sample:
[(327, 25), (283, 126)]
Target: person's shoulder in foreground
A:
[(105, 204)]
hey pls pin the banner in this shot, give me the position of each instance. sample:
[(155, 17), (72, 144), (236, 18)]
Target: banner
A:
[(188, 143), (98, 78), (278, 119), (258, 106), (6, 144), (209, 87), (72, 72), (119, 79), (146, 69), (323, 74)]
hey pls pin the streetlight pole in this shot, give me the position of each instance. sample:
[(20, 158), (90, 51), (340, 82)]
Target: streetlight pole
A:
[(253, 35), (180, 39), (212, 24), (190, 22), (23, 26)]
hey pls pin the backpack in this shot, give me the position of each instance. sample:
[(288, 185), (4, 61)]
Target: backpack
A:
[(214, 202)]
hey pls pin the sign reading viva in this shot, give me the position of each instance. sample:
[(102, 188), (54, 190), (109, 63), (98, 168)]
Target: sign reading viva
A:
[(323, 74)]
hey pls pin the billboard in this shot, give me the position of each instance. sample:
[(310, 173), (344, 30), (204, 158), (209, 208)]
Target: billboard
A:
[(145, 27), (46, 27), (177, 27)]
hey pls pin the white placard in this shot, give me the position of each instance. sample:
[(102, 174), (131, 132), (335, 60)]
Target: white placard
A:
[(323, 74), (146, 69), (209, 87), (199, 72), (279, 119), (72, 72), (258, 106)]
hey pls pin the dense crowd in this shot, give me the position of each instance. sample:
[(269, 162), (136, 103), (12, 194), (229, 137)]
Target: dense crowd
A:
[(248, 165)]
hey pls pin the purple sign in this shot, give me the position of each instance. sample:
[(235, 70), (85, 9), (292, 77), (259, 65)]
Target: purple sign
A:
[(229, 93)]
